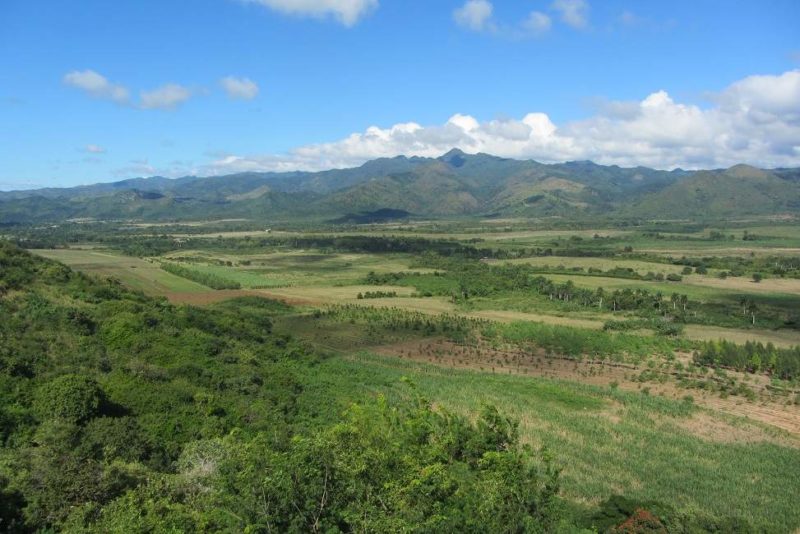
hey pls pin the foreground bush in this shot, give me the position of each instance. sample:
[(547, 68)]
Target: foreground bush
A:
[(382, 469)]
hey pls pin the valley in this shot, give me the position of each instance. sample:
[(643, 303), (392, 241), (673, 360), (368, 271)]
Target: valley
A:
[(424, 301)]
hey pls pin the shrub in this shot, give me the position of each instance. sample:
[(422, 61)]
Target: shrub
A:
[(71, 398)]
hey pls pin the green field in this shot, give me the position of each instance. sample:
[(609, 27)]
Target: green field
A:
[(293, 268), (134, 272), (609, 442), (620, 403)]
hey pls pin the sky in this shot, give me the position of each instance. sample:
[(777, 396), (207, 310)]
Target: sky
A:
[(98, 91)]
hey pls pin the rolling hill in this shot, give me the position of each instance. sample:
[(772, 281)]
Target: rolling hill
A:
[(455, 184), (739, 190)]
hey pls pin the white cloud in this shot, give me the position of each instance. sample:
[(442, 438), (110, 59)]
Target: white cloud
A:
[(755, 120), (94, 149), (475, 15), (574, 13), (239, 88), (347, 12), (167, 96), (97, 85), (537, 22)]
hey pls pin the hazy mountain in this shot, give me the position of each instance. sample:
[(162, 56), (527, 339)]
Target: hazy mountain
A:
[(453, 184), (739, 190)]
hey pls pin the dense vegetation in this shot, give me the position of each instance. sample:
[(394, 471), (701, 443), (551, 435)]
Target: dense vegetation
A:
[(463, 280), (121, 412), (124, 413)]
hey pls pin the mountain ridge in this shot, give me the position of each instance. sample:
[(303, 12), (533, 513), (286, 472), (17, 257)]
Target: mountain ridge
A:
[(453, 184)]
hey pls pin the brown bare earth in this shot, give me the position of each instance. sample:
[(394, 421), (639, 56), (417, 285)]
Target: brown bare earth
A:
[(756, 414)]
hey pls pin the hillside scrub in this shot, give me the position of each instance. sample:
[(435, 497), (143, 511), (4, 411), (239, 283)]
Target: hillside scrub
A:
[(123, 413)]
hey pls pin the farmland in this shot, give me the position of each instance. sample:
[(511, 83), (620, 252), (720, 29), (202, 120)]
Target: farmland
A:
[(589, 337)]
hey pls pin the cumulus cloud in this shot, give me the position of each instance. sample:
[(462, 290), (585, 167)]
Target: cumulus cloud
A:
[(167, 96), (96, 85), (475, 15), (239, 88), (574, 13), (537, 22), (94, 149), (347, 12), (755, 120)]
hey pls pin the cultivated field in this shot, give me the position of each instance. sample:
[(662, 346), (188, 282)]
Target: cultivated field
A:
[(620, 395)]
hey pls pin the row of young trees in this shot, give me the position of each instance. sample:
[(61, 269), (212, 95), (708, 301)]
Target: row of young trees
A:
[(207, 279), (475, 279), (376, 294), (752, 357)]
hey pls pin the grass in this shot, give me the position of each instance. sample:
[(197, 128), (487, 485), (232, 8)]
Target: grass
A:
[(133, 272), (294, 268), (779, 338), (642, 267), (693, 287), (607, 442)]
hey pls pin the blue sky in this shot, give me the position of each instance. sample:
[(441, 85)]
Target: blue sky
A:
[(98, 91)]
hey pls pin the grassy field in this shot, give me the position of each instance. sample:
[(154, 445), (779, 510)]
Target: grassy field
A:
[(695, 286), (627, 432), (139, 274), (313, 278), (610, 442), (642, 267), (297, 268), (779, 338)]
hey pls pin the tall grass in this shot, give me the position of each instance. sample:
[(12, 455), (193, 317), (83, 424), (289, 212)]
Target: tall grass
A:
[(608, 442)]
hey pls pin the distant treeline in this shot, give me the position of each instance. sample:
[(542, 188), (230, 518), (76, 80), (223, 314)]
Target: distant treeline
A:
[(207, 279), (751, 357), (616, 272), (377, 294), (463, 280), (135, 244)]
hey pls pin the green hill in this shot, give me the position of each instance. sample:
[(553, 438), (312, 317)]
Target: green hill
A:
[(739, 190), (455, 184)]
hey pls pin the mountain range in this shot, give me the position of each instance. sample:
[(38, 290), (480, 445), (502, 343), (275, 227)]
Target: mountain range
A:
[(455, 184)]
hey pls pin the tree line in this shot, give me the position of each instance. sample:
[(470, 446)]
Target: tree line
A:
[(752, 357), (207, 279)]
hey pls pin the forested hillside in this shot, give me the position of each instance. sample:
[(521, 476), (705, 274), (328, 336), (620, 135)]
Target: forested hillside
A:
[(123, 413), (454, 184)]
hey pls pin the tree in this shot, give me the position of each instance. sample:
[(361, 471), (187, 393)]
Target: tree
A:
[(752, 309), (70, 398)]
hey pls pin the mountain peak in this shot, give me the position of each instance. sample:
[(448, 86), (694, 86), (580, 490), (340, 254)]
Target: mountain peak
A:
[(455, 157), (453, 152), (745, 171)]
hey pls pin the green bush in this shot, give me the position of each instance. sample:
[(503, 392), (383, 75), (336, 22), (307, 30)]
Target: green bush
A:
[(71, 398)]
